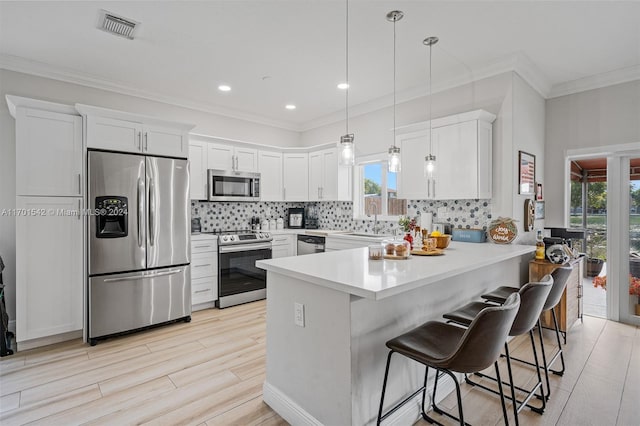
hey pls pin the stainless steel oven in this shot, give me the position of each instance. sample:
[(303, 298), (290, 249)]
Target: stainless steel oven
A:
[(227, 185), (239, 280)]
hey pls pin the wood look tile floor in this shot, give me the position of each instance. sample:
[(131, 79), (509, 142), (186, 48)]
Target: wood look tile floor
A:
[(210, 372)]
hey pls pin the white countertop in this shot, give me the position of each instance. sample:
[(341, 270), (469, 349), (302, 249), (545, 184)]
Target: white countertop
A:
[(352, 272)]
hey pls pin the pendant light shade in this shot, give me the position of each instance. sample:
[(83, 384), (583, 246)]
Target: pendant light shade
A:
[(347, 153), (394, 152), (430, 159)]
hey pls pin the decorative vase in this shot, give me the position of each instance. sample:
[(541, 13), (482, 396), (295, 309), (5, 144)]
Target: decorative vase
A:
[(409, 238)]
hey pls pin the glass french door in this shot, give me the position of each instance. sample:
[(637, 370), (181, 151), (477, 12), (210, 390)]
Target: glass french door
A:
[(630, 233)]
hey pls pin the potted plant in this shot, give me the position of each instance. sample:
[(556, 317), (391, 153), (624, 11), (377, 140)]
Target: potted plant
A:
[(408, 225), (634, 288), (596, 246)]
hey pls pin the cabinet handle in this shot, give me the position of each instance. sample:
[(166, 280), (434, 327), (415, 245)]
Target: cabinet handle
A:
[(79, 207), (146, 141), (205, 246), (284, 193), (201, 291), (237, 167), (201, 266), (318, 193), (80, 183), (139, 141)]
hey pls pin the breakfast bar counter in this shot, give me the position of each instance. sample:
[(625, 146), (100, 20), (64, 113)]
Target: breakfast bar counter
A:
[(330, 314)]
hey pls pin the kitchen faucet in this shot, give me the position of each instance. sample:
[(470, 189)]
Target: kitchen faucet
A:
[(376, 229)]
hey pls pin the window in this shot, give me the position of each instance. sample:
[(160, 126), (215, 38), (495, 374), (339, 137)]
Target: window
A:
[(376, 190)]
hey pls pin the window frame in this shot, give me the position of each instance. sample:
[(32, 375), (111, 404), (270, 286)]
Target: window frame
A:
[(358, 187)]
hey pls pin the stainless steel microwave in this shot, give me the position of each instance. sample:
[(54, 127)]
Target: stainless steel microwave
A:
[(227, 185)]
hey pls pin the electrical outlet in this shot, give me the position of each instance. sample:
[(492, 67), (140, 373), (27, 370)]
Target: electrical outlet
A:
[(298, 314), (267, 211), (338, 211), (442, 213)]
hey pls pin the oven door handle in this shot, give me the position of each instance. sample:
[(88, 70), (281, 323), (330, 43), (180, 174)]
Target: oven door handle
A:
[(244, 247)]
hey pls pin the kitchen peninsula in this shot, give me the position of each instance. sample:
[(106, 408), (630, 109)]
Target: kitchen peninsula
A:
[(328, 369)]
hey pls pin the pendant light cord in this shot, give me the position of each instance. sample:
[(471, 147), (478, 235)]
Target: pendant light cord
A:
[(394, 82), (347, 66), (430, 104)]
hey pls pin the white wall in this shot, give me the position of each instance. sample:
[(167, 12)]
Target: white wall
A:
[(595, 118), (528, 136), (20, 84)]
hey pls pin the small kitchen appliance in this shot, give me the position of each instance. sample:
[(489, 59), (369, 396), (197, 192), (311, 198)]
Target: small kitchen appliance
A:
[(295, 218), (311, 217), (196, 226)]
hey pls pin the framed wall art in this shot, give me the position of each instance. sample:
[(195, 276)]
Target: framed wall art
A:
[(539, 209), (527, 173)]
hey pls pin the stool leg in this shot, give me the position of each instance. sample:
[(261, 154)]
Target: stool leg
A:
[(504, 406), (544, 360), (384, 387), (424, 393), (513, 391), (535, 358), (555, 323)]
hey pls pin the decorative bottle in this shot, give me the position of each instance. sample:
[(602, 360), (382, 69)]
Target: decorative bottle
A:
[(539, 245)]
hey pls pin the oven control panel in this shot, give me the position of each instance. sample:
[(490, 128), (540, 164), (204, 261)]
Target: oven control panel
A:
[(245, 238)]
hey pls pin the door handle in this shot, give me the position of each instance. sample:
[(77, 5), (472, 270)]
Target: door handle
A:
[(146, 141), (142, 277), (140, 211), (152, 213)]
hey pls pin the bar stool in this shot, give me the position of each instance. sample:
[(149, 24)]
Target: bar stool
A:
[(532, 299), (560, 279), (448, 348)]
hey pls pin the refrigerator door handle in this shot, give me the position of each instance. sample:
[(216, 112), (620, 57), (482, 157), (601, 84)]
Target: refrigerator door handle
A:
[(143, 276), (152, 213), (140, 210)]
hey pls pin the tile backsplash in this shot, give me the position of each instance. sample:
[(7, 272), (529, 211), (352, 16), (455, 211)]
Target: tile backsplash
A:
[(227, 216)]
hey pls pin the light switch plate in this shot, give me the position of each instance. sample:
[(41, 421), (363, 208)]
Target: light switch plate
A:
[(298, 314)]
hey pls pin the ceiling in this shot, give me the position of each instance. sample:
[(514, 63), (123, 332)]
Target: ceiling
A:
[(274, 52)]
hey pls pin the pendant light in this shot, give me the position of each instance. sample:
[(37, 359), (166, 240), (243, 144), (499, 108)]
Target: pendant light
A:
[(394, 152), (347, 155), (430, 160)]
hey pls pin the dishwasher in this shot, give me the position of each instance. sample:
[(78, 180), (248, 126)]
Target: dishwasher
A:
[(309, 244)]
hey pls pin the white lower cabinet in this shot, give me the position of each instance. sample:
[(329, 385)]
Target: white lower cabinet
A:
[(204, 271), (335, 243), (49, 268), (283, 246)]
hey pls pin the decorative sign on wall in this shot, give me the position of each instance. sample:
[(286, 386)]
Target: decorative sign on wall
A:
[(539, 209), (503, 230), (527, 173)]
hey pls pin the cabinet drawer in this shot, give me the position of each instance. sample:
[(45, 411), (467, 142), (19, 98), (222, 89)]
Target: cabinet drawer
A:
[(204, 265), (279, 240), (203, 246), (204, 290)]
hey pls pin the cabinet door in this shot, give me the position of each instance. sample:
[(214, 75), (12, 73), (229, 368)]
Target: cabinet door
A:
[(456, 151), (48, 153), (49, 277), (246, 160), (114, 135), (296, 177), (412, 184), (165, 141), (204, 290), (198, 170), (280, 251), (219, 156), (270, 167), (315, 175)]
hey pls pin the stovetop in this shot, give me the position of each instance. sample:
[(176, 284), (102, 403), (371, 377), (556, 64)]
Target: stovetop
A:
[(242, 236)]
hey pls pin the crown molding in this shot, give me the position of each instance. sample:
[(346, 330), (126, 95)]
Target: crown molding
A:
[(41, 69), (622, 75)]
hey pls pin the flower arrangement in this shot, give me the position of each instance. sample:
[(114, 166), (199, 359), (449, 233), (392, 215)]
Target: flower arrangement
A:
[(634, 284), (407, 224)]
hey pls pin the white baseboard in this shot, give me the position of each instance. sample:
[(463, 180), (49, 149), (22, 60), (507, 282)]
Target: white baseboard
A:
[(296, 415), (49, 340)]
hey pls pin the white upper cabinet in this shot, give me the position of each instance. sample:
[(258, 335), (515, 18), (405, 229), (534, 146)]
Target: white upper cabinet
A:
[(327, 180), (462, 146), (198, 170), (229, 157), (296, 176), (270, 168), (48, 153), (119, 131)]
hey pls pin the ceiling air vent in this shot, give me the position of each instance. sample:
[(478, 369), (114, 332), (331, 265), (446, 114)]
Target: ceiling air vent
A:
[(117, 25)]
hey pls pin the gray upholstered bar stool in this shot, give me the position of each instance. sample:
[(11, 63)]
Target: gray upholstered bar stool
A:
[(560, 278), (448, 348), (532, 298)]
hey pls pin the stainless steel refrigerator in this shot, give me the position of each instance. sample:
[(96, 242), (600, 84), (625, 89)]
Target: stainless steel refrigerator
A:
[(139, 242)]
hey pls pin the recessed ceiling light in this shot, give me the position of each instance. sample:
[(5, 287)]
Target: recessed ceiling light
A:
[(224, 88), (343, 86), (290, 106)]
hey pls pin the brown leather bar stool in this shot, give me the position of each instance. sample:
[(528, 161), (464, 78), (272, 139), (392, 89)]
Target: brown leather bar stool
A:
[(448, 348), (560, 278), (532, 298)]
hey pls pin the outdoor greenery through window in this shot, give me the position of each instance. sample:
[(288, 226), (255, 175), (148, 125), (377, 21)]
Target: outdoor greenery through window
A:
[(380, 191)]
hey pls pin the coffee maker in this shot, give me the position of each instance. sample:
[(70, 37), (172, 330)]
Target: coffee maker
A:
[(311, 217)]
